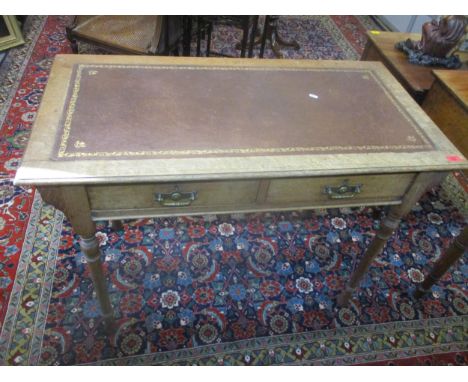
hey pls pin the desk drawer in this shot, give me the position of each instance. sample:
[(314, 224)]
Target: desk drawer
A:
[(245, 195), (183, 195), (338, 190)]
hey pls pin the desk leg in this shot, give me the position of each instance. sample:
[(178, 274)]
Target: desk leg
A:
[(388, 226), (73, 202), (450, 257)]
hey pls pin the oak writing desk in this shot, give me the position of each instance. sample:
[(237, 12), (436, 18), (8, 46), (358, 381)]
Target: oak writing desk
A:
[(126, 137)]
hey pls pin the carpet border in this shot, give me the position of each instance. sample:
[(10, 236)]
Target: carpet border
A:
[(26, 50), (210, 354), (16, 339)]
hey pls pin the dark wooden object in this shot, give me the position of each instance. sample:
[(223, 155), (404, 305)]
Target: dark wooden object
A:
[(73, 201), (447, 105), (248, 24), (270, 33)]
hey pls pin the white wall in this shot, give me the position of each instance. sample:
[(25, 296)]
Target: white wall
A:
[(406, 23)]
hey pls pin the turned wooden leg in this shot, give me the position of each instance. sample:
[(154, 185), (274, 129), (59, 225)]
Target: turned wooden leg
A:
[(450, 257), (73, 202), (116, 225), (388, 226), (90, 247)]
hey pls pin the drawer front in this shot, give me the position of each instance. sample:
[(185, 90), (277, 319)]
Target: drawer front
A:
[(338, 190), (246, 195), (173, 195)]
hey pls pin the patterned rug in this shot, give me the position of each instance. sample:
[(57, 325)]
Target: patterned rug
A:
[(254, 289)]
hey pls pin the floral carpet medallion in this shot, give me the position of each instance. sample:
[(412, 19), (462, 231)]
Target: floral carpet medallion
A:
[(240, 289)]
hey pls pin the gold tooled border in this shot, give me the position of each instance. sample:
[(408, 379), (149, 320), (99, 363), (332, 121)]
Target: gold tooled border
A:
[(67, 123)]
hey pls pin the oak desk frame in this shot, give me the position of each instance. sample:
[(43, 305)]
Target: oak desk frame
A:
[(76, 187)]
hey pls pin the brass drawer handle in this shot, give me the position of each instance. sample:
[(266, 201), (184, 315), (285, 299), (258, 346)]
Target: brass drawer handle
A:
[(176, 198), (345, 191)]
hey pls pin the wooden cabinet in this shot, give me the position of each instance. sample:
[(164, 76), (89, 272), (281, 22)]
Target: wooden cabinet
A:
[(416, 79), (447, 105)]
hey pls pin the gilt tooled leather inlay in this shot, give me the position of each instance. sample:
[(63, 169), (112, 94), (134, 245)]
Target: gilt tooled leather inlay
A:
[(138, 111)]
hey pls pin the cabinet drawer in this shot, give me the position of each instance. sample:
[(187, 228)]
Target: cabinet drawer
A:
[(338, 190), (173, 195)]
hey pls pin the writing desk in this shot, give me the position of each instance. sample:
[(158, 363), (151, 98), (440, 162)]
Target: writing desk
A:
[(126, 137)]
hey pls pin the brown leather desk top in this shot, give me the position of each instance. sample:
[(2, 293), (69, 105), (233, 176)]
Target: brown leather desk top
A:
[(171, 111), (125, 119)]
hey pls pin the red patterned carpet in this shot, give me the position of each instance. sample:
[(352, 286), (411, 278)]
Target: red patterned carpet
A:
[(23, 76), (256, 289)]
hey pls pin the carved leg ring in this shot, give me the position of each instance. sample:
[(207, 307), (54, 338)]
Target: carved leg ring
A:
[(90, 248)]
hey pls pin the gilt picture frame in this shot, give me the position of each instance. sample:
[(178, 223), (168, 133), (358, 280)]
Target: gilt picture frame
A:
[(10, 33)]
